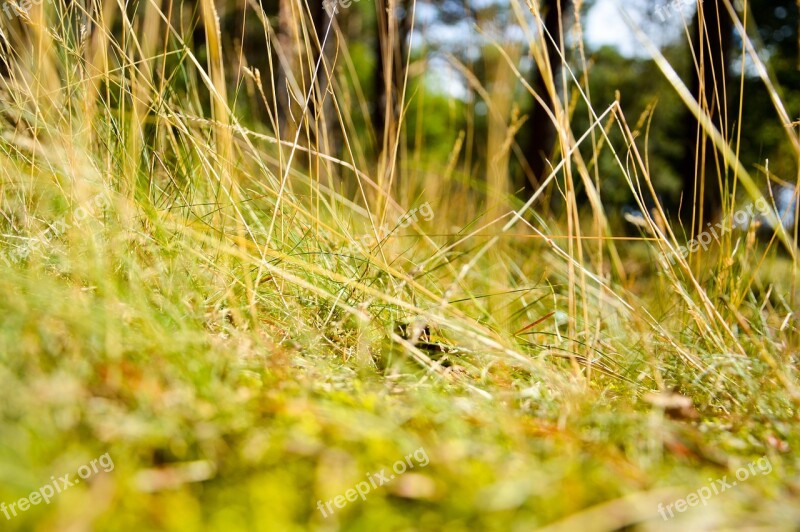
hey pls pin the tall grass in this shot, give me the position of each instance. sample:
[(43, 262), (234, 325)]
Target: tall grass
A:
[(217, 306)]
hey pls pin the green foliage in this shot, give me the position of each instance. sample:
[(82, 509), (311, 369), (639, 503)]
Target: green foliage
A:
[(216, 328)]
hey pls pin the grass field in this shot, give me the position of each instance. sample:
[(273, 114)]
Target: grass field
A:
[(205, 328)]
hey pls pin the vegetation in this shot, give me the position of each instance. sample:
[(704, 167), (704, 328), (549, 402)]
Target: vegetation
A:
[(197, 284)]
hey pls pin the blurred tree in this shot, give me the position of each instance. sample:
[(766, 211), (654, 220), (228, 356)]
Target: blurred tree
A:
[(541, 142), (777, 41), (715, 41), (394, 19), (615, 76), (301, 29), (704, 171)]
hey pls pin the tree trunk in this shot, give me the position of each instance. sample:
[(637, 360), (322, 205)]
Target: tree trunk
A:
[(704, 172), (393, 31), (541, 141)]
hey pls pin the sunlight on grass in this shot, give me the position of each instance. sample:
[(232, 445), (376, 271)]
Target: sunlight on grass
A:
[(251, 312)]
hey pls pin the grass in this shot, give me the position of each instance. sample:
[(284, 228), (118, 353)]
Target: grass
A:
[(211, 322)]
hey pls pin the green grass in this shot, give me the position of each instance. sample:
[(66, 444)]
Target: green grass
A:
[(213, 328)]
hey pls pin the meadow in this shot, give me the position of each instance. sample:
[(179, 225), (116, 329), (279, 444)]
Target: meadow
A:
[(219, 315)]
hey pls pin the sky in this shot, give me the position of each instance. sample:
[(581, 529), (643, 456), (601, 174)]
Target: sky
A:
[(604, 25)]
